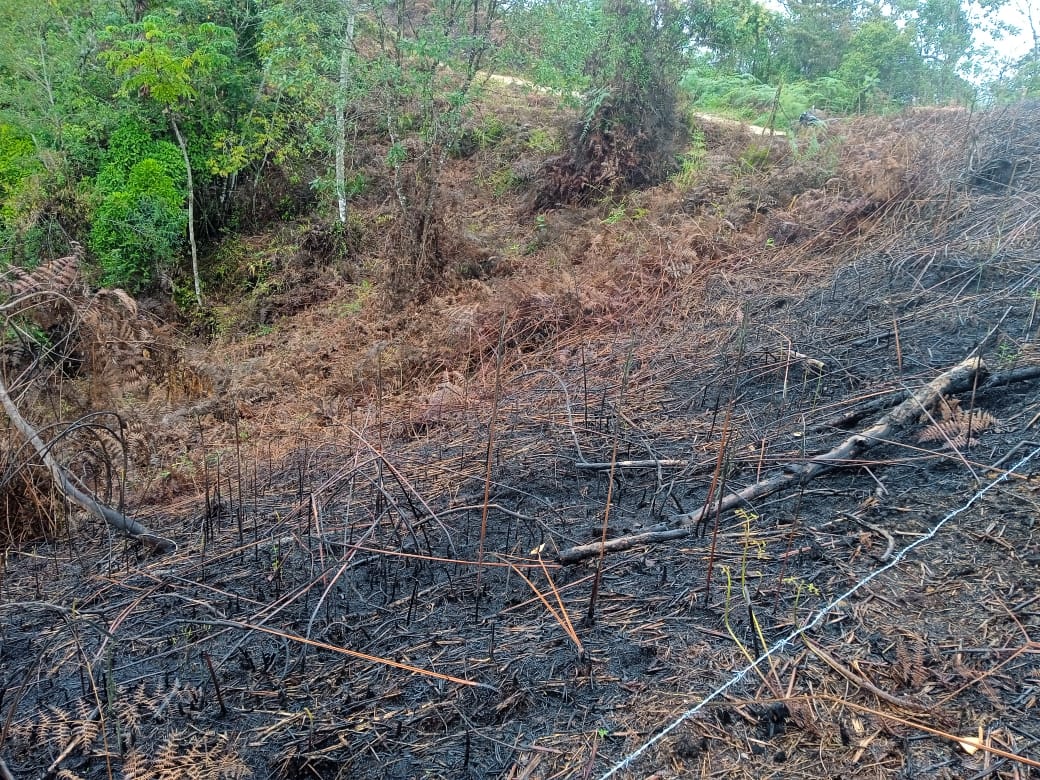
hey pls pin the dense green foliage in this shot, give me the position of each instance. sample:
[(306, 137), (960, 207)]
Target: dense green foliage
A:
[(138, 224), (100, 100)]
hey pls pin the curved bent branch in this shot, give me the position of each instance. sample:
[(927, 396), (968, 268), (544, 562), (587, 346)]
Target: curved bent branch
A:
[(75, 494)]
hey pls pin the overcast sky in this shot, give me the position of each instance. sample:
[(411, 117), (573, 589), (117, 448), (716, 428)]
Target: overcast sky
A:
[(1018, 45)]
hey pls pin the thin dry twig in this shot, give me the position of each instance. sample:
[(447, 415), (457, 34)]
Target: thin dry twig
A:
[(852, 677)]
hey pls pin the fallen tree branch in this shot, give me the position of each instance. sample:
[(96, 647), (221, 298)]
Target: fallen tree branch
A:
[(961, 377), (75, 494), (858, 411), (862, 682)]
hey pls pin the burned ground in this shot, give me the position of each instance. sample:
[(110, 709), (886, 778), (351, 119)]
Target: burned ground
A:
[(369, 583)]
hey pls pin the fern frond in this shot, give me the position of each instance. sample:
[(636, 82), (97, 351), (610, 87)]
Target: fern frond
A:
[(956, 427)]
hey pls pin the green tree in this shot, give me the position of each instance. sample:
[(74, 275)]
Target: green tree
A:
[(551, 42), (54, 93), (20, 168), (944, 33), (51, 82), (167, 64), (816, 36), (881, 65), (346, 69), (1020, 80), (420, 84), (740, 34)]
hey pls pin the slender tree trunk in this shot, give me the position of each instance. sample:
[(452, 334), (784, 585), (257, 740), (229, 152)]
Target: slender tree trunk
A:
[(1033, 30), (191, 211), (341, 115)]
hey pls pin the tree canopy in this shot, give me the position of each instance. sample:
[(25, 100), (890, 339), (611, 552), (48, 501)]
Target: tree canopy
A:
[(96, 97)]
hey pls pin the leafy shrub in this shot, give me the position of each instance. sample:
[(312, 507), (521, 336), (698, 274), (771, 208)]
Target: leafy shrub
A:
[(36, 207), (743, 96), (17, 158), (140, 219), (18, 164)]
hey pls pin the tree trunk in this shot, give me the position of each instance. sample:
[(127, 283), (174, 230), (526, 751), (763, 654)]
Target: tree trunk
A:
[(341, 115), (191, 211)]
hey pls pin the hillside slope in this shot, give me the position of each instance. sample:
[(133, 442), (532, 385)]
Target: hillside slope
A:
[(374, 502)]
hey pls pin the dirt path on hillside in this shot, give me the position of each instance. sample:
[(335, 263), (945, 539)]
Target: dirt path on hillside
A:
[(713, 118)]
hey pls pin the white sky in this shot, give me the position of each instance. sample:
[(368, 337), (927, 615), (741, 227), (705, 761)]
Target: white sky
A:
[(1014, 13)]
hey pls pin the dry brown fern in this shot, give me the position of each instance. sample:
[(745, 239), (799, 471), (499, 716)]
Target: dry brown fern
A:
[(918, 671), (55, 725), (59, 275), (123, 348), (184, 756), (87, 725), (131, 708), (901, 668), (167, 763), (956, 427), (909, 668)]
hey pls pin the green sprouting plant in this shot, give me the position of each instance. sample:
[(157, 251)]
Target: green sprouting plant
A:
[(396, 155), (502, 181), (489, 132), (756, 628), (541, 235), (361, 294), (29, 333), (617, 214), (325, 185), (543, 142), (754, 158), (277, 561), (821, 151), (691, 164), (800, 586), (1007, 354), (746, 518)]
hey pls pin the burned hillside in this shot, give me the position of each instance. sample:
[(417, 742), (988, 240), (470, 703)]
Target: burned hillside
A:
[(794, 390)]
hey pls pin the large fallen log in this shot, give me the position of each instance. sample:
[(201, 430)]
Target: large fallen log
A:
[(964, 376), (74, 493)]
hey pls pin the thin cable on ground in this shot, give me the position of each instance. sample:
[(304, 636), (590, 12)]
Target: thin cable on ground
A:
[(627, 761)]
